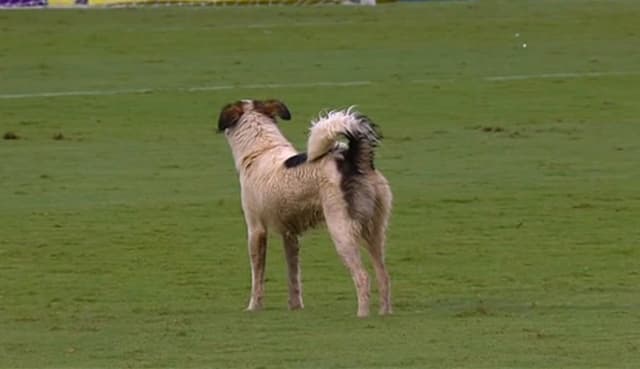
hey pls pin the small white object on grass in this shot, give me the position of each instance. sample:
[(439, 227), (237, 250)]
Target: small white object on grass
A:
[(524, 46)]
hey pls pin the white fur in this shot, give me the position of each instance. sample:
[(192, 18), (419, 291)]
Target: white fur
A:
[(325, 131)]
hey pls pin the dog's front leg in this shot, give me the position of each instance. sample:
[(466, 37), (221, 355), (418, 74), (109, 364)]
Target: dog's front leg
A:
[(258, 256), (291, 251)]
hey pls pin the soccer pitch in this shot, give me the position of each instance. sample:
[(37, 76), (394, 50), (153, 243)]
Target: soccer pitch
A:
[(515, 235)]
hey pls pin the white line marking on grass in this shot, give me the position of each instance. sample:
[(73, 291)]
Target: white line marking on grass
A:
[(78, 93), (279, 85), (524, 77), (433, 80), (134, 91), (521, 77)]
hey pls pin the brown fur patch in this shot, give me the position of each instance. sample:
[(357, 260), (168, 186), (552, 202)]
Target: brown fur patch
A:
[(272, 108), (230, 115)]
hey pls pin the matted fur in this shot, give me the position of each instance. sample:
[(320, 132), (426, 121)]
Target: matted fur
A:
[(333, 183)]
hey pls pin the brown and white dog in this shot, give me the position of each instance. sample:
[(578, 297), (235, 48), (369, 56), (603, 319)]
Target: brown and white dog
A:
[(287, 192)]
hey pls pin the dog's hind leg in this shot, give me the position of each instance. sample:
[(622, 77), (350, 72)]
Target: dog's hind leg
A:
[(258, 256), (375, 243), (344, 232), (291, 251), (374, 233)]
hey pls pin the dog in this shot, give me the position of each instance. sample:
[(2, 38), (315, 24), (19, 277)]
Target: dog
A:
[(288, 192)]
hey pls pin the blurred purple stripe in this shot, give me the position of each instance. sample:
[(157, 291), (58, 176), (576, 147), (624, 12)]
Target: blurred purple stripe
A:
[(22, 3)]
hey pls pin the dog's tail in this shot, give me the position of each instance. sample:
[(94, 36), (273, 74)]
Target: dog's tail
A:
[(361, 134)]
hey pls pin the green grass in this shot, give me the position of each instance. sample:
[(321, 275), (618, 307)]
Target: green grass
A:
[(514, 241)]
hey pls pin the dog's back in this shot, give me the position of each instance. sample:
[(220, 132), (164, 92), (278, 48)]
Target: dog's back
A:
[(287, 199)]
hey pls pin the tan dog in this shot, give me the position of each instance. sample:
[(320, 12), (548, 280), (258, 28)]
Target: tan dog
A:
[(288, 192)]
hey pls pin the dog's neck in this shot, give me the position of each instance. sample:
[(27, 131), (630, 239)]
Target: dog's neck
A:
[(254, 135)]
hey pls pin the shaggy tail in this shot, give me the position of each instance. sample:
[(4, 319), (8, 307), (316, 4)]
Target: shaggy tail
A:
[(361, 134)]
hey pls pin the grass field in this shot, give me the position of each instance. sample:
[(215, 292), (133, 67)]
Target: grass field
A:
[(515, 238)]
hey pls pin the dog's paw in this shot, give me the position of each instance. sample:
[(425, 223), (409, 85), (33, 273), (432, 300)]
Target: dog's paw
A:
[(298, 305), (254, 306)]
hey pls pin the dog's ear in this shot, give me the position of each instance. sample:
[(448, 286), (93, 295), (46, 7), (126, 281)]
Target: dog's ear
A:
[(229, 116), (272, 108)]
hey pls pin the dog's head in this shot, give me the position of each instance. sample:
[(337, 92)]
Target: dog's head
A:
[(231, 114)]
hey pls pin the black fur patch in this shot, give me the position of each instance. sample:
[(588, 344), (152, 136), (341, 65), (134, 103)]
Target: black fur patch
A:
[(352, 168), (296, 160), (357, 162), (359, 155)]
